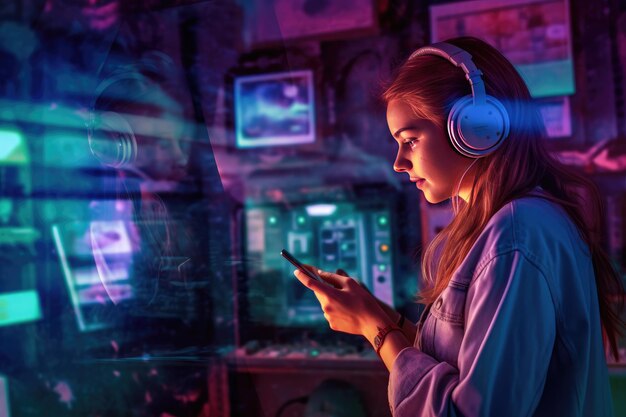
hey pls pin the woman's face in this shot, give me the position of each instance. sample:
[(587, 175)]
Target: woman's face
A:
[(425, 154), (159, 151)]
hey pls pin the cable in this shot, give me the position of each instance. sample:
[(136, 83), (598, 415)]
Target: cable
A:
[(458, 188), (301, 400)]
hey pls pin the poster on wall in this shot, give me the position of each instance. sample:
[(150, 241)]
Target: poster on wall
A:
[(535, 35), (277, 20), (556, 114)]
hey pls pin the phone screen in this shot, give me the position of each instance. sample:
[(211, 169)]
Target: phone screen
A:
[(299, 265)]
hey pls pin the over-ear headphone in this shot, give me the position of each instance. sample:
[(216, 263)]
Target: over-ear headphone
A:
[(110, 136), (478, 123)]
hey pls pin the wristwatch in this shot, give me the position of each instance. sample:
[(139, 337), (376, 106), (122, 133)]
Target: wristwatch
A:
[(382, 334)]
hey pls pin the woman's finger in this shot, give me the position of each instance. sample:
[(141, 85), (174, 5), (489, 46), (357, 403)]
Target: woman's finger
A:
[(309, 282), (335, 280)]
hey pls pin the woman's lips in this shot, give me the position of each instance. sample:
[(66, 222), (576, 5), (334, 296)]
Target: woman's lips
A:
[(419, 182)]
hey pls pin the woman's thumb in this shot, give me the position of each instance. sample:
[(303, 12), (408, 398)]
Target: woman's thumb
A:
[(340, 271), (335, 280)]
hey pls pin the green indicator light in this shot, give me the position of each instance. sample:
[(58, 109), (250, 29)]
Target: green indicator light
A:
[(273, 220), (382, 267), (301, 220), (344, 246), (382, 220), (315, 352)]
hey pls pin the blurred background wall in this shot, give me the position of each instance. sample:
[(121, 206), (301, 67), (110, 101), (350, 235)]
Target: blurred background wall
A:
[(156, 155)]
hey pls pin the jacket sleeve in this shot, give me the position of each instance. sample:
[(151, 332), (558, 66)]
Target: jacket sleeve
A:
[(503, 358)]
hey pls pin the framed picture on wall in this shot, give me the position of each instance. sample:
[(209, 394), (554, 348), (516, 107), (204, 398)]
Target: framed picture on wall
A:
[(271, 21), (275, 109), (556, 114), (535, 35)]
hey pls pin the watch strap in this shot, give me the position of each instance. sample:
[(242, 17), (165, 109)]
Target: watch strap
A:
[(382, 334)]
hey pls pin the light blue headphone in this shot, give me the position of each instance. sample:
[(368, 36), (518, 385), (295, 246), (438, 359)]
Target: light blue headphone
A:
[(110, 136), (478, 123)]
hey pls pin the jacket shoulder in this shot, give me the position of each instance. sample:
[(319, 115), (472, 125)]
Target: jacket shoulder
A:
[(533, 225)]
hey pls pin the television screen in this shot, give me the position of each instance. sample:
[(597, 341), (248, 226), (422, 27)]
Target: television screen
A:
[(274, 109)]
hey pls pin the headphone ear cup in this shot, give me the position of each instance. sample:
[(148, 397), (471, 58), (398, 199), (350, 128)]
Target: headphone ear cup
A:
[(476, 130), (111, 140)]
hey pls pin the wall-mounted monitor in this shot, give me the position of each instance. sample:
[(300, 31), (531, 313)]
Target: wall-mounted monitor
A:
[(274, 109)]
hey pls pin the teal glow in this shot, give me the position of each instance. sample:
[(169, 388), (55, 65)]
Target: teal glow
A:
[(12, 148), (273, 220), (315, 352), (321, 209), (344, 246), (19, 307), (301, 220), (382, 220), (545, 79), (382, 267)]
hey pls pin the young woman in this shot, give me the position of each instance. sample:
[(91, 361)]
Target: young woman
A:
[(519, 294)]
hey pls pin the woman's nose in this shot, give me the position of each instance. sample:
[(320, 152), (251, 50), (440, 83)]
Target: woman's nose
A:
[(401, 163)]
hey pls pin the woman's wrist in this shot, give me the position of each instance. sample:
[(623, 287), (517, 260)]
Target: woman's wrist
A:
[(374, 322), (400, 321)]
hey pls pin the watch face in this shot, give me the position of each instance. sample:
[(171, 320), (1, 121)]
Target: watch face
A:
[(377, 341)]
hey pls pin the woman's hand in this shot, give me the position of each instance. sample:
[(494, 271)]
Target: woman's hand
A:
[(391, 313), (348, 307)]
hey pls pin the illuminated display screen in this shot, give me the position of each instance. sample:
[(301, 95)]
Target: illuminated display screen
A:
[(19, 307), (13, 149), (97, 259), (274, 109), (329, 236)]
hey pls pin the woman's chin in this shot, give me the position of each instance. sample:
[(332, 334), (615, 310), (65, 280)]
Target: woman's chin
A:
[(433, 199)]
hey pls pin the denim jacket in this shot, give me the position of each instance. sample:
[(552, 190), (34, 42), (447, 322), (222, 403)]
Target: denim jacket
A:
[(517, 330)]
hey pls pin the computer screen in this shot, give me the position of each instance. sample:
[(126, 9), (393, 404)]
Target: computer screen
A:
[(329, 235), (97, 260), (274, 109)]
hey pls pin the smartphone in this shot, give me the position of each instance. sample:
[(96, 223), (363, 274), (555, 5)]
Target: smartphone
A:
[(301, 267)]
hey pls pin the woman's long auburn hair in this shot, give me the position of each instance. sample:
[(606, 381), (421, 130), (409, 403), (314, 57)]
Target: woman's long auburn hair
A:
[(430, 85)]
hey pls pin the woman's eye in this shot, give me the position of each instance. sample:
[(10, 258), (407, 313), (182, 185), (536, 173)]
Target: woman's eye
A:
[(411, 142)]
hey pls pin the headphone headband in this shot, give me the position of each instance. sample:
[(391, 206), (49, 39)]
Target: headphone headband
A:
[(459, 58)]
